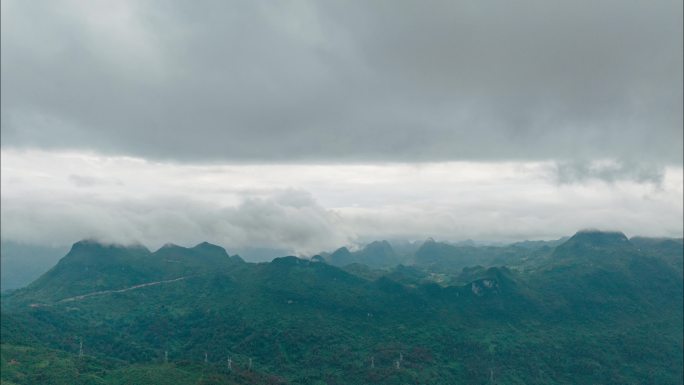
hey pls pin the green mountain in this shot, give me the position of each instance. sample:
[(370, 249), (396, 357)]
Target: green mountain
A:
[(596, 244), (595, 309), (91, 267), (449, 258), (670, 250), (376, 254), (439, 256)]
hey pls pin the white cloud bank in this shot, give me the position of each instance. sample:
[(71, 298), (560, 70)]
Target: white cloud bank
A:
[(58, 198)]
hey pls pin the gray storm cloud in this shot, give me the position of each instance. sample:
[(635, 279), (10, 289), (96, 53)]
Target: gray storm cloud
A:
[(308, 125), (346, 81)]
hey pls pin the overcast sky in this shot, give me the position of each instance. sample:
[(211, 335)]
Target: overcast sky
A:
[(308, 125)]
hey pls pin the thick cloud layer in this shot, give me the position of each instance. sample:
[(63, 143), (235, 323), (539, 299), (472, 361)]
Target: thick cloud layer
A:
[(307, 125), (572, 81), (56, 199)]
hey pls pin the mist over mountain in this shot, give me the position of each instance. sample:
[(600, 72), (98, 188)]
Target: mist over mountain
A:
[(22, 263)]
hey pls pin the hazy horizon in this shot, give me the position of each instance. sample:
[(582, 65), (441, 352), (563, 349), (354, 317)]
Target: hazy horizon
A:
[(267, 253)]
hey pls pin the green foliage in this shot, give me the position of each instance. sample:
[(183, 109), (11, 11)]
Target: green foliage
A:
[(594, 310)]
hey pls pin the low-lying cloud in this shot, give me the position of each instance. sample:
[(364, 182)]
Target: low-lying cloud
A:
[(272, 222), (309, 208)]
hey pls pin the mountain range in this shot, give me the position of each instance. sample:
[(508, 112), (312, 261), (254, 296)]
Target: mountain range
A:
[(596, 307)]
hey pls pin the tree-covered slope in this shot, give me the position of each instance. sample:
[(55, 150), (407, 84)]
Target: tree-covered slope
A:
[(91, 267)]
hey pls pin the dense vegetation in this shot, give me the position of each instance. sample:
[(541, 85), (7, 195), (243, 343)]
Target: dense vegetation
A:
[(597, 308)]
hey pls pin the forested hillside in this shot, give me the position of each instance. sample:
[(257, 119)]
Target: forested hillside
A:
[(597, 308)]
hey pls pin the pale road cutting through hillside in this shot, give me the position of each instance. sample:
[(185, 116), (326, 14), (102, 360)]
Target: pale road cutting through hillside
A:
[(83, 296)]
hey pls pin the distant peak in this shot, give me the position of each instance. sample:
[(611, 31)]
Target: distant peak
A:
[(209, 247), (94, 244), (88, 242), (289, 260), (378, 245), (342, 250), (588, 240), (205, 244), (383, 242), (170, 247), (467, 242), (594, 236), (595, 230)]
